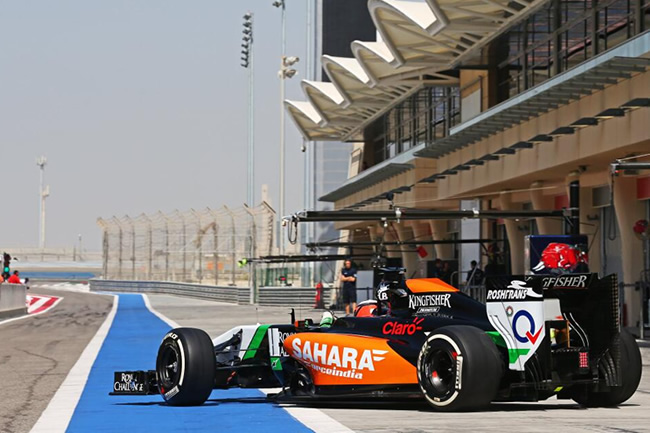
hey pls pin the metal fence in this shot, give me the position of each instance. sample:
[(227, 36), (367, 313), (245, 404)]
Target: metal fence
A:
[(202, 247)]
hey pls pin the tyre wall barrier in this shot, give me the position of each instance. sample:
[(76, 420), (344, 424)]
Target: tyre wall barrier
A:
[(13, 300), (267, 296)]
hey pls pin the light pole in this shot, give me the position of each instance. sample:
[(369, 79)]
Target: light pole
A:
[(308, 148), (44, 192), (285, 72), (247, 62)]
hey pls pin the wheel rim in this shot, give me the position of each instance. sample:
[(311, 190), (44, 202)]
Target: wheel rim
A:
[(168, 368), (441, 372), (302, 384)]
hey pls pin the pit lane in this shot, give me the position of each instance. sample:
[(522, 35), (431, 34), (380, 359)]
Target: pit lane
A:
[(135, 345), (415, 416)]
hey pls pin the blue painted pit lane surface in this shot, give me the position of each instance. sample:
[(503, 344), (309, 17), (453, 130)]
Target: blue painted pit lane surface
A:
[(132, 344)]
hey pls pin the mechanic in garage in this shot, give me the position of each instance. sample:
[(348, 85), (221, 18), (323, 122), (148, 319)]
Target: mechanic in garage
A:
[(349, 279)]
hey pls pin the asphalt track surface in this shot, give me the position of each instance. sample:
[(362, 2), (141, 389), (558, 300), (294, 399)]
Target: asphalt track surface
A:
[(36, 354)]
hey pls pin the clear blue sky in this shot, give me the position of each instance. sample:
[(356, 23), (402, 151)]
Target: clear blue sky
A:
[(139, 106)]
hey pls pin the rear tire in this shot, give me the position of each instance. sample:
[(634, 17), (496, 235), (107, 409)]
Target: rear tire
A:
[(186, 367), (459, 368), (630, 377)]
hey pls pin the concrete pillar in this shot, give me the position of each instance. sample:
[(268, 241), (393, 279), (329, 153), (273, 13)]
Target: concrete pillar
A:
[(422, 232), (628, 211), (589, 225), (588, 221), (374, 235), (515, 236), (374, 231), (546, 226), (409, 256), (391, 236), (361, 235), (469, 229), (439, 232)]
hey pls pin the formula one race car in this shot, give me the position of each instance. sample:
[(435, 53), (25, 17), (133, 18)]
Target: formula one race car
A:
[(535, 337)]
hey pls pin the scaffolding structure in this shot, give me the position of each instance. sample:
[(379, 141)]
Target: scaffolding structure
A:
[(203, 247)]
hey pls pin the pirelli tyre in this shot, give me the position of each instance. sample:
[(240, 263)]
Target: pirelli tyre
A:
[(630, 375), (459, 368), (185, 367)]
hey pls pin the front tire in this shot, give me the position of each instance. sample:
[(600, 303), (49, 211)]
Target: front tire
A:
[(459, 368), (185, 367), (630, 376)]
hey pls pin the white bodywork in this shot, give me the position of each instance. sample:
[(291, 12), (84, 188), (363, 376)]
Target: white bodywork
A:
[(248, 332)]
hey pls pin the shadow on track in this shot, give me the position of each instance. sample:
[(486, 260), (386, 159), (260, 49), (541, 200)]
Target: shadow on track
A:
[(210, 402), (379, 404), (423, 406)]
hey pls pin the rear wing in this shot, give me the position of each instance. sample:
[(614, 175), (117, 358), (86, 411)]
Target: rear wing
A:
[(520, 306)]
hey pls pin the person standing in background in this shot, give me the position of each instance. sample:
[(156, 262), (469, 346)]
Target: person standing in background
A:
[(476, 275), (437, 269), (349, 280), (15, 278), (445, 273)]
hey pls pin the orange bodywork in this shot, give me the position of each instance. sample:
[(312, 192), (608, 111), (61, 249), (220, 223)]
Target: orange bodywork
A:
[(424, 285), (340, 359)]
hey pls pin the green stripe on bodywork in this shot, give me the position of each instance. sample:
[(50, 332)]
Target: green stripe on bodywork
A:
[(496, 338), (513, 354), (256, 341)]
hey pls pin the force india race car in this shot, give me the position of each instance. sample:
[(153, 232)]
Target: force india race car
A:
[(535, 337)]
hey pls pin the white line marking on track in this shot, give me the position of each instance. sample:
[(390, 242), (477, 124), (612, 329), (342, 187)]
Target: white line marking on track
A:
[(57, 415), (316, 420), (312, 418), (159, 315), (27, 316)]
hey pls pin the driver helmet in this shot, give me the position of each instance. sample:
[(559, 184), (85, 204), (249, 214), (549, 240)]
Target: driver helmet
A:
[(392, 292)]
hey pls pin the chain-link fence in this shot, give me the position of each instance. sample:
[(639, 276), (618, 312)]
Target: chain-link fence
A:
[(202, 246)]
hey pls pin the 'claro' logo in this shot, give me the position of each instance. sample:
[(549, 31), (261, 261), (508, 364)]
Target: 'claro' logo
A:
[(396, 328)]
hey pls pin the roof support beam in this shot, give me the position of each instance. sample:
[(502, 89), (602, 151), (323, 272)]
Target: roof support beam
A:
[(412, 242), (399, 214), (484, 16)]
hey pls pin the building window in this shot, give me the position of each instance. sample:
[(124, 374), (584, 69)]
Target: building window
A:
[(564, 34), (420, 119)]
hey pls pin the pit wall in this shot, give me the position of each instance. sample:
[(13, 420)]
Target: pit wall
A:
[(13, 300), (269, 296)]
